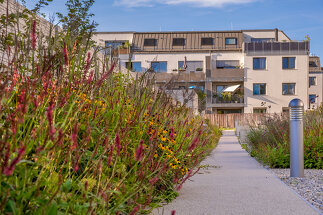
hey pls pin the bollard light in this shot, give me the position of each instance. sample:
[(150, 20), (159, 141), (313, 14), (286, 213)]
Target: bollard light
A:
[(296, 136)]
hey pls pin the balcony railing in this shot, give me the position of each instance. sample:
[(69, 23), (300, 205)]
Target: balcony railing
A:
[(180, 77), (225, 75), (233, 99), (278, 47)]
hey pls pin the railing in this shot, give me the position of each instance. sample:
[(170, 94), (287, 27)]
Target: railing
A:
[(225, 74), (233, 99), (278, 47)]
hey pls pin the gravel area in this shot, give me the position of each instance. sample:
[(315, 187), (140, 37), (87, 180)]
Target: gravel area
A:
[(310, 187)]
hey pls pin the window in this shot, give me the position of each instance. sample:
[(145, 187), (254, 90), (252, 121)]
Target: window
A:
[(289, 89), (259, 110), (219, 89), (227, 64), (178, 42), (230, 41), (191, 66), (259, 89), (288, 62), (207, 41), (134, 66), (312, 98), (114, 43), (150, 42), (312, 64), (159, 66), (259, 63), (262, 40), (312, 81)]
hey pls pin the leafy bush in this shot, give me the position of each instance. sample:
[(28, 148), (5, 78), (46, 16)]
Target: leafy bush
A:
[(76, 138), (269, 142)]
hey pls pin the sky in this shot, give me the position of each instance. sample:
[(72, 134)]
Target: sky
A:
[(297, 18)]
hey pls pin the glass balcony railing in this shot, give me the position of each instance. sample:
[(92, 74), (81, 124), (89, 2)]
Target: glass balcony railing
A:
[(226, 100)]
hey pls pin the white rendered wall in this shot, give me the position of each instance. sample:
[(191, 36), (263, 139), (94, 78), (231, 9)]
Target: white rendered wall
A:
[(100, 38), (274, 76), (317, 89), (247, 35)]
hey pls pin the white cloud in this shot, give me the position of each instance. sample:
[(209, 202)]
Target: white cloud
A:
[(196, 3)]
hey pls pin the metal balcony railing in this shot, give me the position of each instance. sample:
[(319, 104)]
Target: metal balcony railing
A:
[(278, 47)]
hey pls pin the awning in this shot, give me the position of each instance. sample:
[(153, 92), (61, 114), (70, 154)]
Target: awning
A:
[(231, 89)]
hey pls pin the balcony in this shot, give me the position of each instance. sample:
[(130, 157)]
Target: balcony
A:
[(225, 75), (233, 101), (180, 77), (277, 48)]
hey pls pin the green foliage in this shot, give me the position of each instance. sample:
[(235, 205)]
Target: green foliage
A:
[(78, 19), (79, 137), (270, 142)]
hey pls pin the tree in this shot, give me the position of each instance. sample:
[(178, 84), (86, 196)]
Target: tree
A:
[(78, 20)]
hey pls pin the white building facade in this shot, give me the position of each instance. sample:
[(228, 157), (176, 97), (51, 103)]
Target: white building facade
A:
[(247, 71)]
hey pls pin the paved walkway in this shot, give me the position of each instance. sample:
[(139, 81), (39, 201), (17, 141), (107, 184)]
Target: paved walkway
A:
[(239, 185)]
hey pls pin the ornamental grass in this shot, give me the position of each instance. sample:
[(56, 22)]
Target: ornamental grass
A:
[(79, 137), (270, 142)]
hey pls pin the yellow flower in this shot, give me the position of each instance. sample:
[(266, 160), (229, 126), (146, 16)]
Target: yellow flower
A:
[(155, 155), (163, 139), (165, 132)]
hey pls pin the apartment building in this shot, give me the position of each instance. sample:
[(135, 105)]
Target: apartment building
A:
[(315, 83), (246, 71)]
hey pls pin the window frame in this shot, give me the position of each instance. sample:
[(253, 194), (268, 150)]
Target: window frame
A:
[(309, 99), (179, 39), (132, 67), (149, 45), (259, 58), (228, 38), (288, 63), (207, 39), (159, 62), (288, 88), (309, 81), (260, 94)]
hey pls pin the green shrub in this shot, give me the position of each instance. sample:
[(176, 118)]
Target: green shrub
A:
[(269, 142)]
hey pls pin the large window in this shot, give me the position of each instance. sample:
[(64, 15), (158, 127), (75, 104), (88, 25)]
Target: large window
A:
[(288, 62), (206, 41), (159, 66), (150, 42), (312, 81), (259, 89), (230, 41), (312, 98), (259, 63), (312, 64), (288, 88), (191, 66), (178, 42), (114, 43), (134, 66), (227, 64)]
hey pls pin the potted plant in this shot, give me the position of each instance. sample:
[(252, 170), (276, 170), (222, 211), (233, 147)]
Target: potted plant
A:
[(226, 96), (199, 69)]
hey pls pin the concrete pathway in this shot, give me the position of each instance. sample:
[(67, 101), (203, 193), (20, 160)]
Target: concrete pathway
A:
[(238, 185)]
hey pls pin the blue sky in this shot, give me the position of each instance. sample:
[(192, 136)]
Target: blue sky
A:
[(296, 18)]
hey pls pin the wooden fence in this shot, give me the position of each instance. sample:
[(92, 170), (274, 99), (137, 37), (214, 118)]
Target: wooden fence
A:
[(238, 119)]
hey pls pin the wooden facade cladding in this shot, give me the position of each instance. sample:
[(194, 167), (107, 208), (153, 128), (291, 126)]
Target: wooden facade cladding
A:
[(192, 41)]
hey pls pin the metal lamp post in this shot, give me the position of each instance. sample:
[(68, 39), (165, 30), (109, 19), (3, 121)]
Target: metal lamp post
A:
[(296, 134)]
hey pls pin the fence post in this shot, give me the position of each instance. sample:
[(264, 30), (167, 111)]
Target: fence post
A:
[(296, 134)]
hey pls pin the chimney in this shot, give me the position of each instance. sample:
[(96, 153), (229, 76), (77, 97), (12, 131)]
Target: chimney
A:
[(276, 34)]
